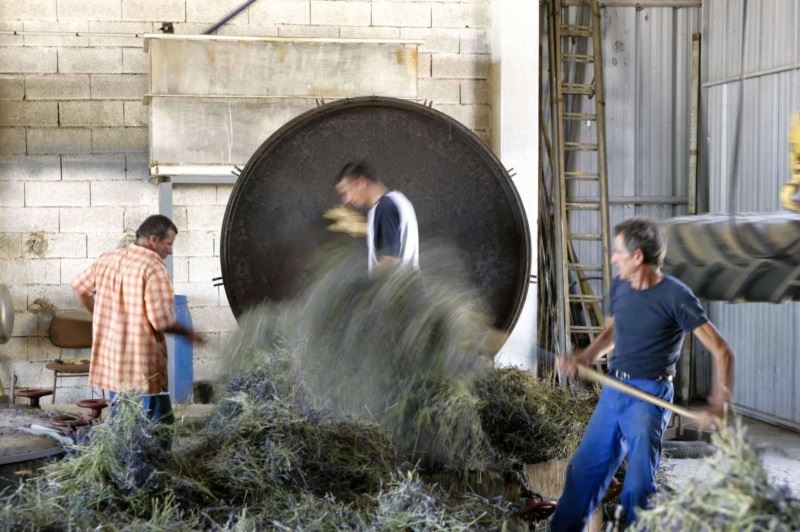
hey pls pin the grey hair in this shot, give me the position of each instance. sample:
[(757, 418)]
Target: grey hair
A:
[(643, 234)]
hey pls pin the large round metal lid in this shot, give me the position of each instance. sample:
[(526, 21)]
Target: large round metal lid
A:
[(461, 193)]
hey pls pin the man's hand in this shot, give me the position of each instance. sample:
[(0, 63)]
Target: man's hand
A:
[(567, 365)]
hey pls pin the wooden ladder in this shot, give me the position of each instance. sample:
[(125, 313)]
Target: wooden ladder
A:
[(583, 187)]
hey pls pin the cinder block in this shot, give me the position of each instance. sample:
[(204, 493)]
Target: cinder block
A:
[(463, 66), (99, 243), (199, 294), (61, 245), (55, 140), (90, 60), (68, 38), (148, 10), (460, 15), (439, 90), (90, 219), (194, 195), (209, 368), (59, 295), (25, 60), (30, 168), (13, 113), (424, 66), (474, 42), (136, 114), (368, 32), (134, 216), (135, 61), (40, 350), (12, 87), (119, 139), (261, 30), (56, 194), (224, 194), (401, 14), (12, 141), (205, 217), (30, 271), (213, 319), (340, 13), (31, 373), (180, 269), (210, 11), (93, 167), (57, 87), (204, 269), (14, 353), (437, 40), (309, 32), (89, 9), (472, 116), (91, 113), (28, 219), (119, 86), (12, 194), (270, 12), (71, 268), (180, 217), (137, 167), (194, 244), (123, 193), (28, 10), (121, 28), (477, 91), (10, 245), (27, 324)]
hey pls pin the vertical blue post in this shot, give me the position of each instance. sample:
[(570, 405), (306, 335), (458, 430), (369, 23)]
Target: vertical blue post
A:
[(181, 363)]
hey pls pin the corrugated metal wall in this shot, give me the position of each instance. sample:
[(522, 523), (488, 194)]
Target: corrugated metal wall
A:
[(766, 338), (647, 61)]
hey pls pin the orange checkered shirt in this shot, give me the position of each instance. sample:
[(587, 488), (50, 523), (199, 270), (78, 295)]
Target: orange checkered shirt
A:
[(133, 300)]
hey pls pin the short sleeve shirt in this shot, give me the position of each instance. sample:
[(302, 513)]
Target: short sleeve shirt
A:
[(650, 325), (133, 301)]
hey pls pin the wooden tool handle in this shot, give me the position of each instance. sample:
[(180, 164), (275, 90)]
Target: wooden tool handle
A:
[(589, 374)]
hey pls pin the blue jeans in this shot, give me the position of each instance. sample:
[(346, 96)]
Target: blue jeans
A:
[(156, 407), (620, 426)]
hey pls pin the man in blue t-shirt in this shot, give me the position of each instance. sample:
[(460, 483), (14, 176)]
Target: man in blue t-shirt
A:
[(650, 314), (392, 233)]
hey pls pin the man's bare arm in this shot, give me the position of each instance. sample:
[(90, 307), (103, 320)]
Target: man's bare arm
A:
[(86, 300), (724, 360), (386, 263), (601, 345)]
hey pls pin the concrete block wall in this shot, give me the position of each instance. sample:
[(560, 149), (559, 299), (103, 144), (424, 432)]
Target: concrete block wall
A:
[(74, 140)]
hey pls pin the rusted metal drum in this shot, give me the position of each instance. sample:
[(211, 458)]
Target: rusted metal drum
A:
[(462, 194)]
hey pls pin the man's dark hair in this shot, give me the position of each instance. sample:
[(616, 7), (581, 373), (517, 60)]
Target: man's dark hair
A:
[(156, 225), (643, 234), (356, 169)]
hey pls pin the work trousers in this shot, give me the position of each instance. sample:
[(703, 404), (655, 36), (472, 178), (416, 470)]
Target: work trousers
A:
[(621, 426)]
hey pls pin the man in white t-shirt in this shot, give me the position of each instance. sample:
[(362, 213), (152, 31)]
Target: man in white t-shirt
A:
[(392, 232)]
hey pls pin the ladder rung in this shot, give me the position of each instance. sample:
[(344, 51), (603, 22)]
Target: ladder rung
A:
[(576, 31), (577, 58), (580, 116), (585, 299), (577, 88), (583, 206), (580, 146), (584, 329), (582, 176), (585, 236), (585, 267)]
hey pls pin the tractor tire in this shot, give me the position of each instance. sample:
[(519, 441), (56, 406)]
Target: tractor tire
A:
[(676, 449), (752, 257)]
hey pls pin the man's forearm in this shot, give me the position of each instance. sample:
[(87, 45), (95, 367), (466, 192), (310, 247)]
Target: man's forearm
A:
[(602, 345), (86, 300), (723, 381)]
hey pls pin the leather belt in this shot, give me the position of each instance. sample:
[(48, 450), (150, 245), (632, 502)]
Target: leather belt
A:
[(624, 376)]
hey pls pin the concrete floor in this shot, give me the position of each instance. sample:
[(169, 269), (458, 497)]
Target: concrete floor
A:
[(781, 455)]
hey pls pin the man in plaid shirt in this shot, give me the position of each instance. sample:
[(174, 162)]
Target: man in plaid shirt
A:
[(130, 296)]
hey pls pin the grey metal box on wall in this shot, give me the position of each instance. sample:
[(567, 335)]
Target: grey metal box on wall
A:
[(215, 99)]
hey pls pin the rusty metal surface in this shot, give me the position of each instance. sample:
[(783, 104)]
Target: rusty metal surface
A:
[(462, 194)]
